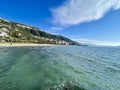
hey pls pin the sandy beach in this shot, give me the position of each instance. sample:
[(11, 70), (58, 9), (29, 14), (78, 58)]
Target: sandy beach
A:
[(22, 44)]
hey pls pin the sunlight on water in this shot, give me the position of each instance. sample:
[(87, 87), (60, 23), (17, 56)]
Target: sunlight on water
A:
[(60, 68)]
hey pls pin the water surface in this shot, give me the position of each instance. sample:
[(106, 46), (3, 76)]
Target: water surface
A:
[(60, 68)]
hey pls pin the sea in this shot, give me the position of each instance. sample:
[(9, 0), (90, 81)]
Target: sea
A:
[(60, 68)]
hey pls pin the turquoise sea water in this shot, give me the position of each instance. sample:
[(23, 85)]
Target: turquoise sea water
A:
[(60, 68)]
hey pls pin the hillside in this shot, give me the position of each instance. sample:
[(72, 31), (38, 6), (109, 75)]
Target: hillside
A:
[(20, 33)]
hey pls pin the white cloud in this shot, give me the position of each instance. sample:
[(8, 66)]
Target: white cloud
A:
[(96, 42), (73, 12), (57, 28), (53, 30)]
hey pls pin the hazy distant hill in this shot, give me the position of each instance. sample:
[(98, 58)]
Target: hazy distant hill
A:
[(15, 32)]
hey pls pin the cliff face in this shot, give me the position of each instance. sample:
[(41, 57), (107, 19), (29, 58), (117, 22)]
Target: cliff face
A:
[(20, 33)]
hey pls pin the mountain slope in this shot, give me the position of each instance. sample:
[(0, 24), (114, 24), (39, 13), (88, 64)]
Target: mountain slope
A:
[(20, 33)]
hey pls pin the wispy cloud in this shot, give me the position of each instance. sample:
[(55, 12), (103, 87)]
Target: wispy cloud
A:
[(56, 28), (97, 42), (73, 12)]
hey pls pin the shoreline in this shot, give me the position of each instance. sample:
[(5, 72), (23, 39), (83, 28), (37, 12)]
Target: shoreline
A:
[(23, 44)]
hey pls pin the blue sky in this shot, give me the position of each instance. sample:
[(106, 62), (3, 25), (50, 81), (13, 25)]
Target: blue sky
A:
[(96, 22)]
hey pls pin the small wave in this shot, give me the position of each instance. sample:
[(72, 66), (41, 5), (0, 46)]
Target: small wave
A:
[(112, 69), (67, 86)]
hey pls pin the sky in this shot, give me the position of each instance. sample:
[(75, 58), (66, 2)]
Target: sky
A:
[(85, 21)]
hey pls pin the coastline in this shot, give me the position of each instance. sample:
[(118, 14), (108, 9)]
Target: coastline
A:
[(23, 44)]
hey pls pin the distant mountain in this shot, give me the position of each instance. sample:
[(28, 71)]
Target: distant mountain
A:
[(20, 33)]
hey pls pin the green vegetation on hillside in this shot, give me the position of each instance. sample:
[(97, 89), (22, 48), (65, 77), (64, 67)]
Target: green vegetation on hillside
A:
[(20, 33)]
